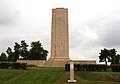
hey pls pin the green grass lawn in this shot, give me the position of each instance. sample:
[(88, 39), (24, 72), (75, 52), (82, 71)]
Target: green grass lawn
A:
[(56, 76)]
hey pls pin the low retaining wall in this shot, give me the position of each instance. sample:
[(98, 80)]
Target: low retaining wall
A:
[(42, 63), (33, 62), (84, 61)]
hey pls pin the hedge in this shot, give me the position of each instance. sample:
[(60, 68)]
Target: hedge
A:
[(87, 67), (115, 67), (6, 65)]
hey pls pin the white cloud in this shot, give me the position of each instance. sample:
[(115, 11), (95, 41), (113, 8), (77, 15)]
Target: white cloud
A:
[(89, 34)]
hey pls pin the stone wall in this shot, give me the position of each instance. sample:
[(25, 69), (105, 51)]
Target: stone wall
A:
[(41, 63), (84, 61), (33, 62)]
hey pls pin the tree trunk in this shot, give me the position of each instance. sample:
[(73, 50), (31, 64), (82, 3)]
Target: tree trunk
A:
[(105, 62)]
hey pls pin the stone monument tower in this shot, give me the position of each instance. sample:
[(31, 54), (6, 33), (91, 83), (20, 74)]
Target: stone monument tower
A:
[(59, 38), (59, 42)]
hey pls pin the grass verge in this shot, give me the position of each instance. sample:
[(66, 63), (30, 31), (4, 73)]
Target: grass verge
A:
[(55, 76)]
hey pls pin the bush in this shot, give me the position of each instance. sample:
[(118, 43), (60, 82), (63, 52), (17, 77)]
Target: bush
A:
[(23, 66), (115, 67), (87, 67), (6, 65), (15, 65), (67, 67), (31, 65)]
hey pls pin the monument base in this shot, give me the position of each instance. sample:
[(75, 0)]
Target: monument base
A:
[(57, 62), (72, 81)]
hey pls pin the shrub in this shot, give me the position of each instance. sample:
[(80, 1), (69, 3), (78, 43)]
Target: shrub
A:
[(6, 65), (87, 67), (15, 65), (31, 65), (67, 67), (22, 66), (115, 67)]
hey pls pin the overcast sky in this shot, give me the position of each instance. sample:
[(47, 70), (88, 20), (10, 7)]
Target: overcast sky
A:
[(93, 24)]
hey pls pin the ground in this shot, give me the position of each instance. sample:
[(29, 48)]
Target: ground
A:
[(37, 75)]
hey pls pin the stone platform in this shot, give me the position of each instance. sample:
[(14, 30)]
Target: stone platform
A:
[(56, 62)]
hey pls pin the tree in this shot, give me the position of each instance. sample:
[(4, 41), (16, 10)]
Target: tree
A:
[(116, 59), (37, 52), (109, 56), (16, 53), (112, 53), (44, 55), (3, 57), (24, 50), (10, 54), (104, 55)]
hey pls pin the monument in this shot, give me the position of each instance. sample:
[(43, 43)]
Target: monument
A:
[(59, 43), (59, 38)]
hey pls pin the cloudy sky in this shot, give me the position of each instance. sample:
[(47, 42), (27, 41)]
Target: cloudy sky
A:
[(93, 24)]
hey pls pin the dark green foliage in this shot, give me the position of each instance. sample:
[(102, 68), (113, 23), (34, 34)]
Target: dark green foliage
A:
[(6, 65), (115, 67), (37, 52), (15, 65), (10, 54), (31, 65), (19, 50), (22, 66), (23, 50), (116, 59), (93, 67), (3, 57), (87, 67), (104, 55), (67, 67), (16, 52), (109, 56)]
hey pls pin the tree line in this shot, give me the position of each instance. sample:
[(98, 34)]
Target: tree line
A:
[(21, 52), (109, 55)]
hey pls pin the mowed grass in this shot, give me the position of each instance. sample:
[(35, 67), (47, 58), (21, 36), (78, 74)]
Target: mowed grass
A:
[(55, 76)]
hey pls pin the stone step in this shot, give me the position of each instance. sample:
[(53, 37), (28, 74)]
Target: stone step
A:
[(55, 63)]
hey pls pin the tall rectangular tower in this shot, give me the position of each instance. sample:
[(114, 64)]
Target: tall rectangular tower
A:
[(59, 37)]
